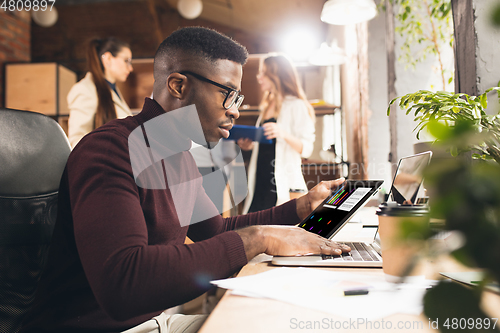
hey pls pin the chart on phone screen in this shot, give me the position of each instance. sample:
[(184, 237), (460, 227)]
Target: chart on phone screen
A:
[(346, 201)]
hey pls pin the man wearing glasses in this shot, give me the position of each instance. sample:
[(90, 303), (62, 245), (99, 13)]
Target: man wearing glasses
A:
[(118, 257)]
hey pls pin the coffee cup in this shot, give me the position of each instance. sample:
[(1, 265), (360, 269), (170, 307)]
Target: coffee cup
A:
[(399, 255)]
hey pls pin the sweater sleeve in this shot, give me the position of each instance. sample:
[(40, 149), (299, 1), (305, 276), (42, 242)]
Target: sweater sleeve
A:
[(129, 276), (285, 214)]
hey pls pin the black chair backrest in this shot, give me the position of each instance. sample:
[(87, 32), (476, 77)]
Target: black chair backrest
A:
[(33, 153)]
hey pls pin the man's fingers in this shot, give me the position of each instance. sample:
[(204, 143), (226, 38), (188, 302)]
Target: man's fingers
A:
[(332, 184), (345, 248), (330, 251), (334, 248), (328, 185), (327, 249), (291, 240)]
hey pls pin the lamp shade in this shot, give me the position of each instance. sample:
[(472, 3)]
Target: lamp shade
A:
[(190, 9), (45, 18), (342, 12), (328, 56)]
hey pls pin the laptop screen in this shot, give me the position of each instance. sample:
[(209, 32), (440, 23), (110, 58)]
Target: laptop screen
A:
[(339, 207), (408, 178)]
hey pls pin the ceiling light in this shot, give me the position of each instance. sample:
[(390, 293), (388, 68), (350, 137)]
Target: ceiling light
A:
[(299, 43), (190, 9), (342, 12)]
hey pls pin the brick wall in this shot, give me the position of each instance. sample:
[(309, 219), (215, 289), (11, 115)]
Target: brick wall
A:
[(15, 36), (139, 23)]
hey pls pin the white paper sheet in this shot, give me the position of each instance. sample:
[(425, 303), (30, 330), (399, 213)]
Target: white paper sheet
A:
[(324, 290)]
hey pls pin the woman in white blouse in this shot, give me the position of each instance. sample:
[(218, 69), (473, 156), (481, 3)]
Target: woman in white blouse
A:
[(95, 99), (288, 119)]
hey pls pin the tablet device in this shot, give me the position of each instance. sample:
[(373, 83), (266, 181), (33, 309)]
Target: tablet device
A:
[(251, 132), (338, 208)]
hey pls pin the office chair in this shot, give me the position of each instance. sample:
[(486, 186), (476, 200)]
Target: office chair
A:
[(33, 154)]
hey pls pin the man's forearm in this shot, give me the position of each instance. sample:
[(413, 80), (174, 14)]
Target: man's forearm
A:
[(285, 241), (288, 240), (253, 240)]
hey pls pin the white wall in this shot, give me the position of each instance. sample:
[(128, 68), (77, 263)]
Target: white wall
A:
[(425, 76), (487, 51), (378, 124)]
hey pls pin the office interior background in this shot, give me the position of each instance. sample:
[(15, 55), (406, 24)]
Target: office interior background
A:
[(351, 94), (350, 87)]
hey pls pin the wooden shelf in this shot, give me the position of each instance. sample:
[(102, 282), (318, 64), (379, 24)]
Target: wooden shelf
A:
[(319, 110), (254, 111), (38, 87), (139, 84)]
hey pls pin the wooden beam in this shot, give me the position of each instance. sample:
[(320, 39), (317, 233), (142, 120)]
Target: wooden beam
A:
[(391, 82), (364, 110), (355, 99), (154, 14), (465, 47)]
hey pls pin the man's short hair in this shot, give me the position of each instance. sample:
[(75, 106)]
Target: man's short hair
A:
[(208, 44)]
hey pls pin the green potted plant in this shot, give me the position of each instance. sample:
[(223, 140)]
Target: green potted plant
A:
[(465, 193), (452, 109)]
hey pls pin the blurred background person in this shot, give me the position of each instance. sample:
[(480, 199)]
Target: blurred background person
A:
[(288, 119), (95, 99)]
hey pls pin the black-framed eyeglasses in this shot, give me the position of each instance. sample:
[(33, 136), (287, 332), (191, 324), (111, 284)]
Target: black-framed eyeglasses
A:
[(233, 96)]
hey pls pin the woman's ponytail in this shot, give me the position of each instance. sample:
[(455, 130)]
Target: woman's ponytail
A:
[(105, 107)]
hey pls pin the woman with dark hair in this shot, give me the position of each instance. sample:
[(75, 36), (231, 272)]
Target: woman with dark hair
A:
[(288, 118), (95, 99)]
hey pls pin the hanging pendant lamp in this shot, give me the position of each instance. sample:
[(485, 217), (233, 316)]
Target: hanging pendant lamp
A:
[(190, 9), (342, 12), (328, 56)]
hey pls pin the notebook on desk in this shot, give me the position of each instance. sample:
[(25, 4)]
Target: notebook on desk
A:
[(331, 215)]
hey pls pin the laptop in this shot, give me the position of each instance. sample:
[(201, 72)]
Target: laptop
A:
[(407, 183), (337, 209)]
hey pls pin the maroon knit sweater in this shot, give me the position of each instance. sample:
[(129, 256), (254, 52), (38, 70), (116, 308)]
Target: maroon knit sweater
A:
[(118, 256)]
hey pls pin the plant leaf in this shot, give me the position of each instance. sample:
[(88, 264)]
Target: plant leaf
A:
[(452, 300), (483, 101)]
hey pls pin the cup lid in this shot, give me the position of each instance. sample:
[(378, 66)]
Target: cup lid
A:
[(393, 209)]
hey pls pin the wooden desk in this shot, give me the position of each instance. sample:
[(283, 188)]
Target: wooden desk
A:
[(244, 314)]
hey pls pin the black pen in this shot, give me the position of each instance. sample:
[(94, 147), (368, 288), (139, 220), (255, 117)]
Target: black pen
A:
[(355, 292)]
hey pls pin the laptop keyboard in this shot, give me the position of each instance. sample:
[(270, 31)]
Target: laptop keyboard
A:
[(359, 252)]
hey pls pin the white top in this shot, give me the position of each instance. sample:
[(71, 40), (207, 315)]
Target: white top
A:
[(82, 103), (293, 118)]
